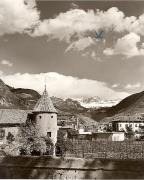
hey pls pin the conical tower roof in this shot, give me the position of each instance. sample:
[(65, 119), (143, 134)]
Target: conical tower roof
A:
[(45, 104)]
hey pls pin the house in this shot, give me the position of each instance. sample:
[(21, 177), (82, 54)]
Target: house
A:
[(125, 123), (102, 127), (67, 121), (82, 131), (10, 121), (109, 136)]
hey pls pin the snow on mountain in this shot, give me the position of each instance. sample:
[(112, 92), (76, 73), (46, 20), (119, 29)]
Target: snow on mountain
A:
[(97, 102)]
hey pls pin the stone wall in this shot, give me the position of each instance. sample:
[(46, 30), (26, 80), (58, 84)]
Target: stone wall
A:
[(69, 168)]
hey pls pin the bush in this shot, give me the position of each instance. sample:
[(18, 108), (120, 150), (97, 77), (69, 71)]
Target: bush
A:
[(63, 144), (31, 142)]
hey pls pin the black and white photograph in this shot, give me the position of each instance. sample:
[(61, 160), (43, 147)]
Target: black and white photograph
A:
[(71, 89)]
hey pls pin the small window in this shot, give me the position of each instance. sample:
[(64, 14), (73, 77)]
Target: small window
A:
[(2, 133), (135, 125), (49, 134), (40, 117), (51, 116)]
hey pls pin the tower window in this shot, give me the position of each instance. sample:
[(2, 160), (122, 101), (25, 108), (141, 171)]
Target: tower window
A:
[(48, 134), (40, 117), (51, 116), (2, 133)]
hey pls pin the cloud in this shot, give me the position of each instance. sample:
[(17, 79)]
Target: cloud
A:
[(62, 86), (75, 25), (78, 22), (6, 63), (133, 86), (93, 55), (127, 46), (17, 16), (1, 73), (74, 6), (81, 44), (115, 85)]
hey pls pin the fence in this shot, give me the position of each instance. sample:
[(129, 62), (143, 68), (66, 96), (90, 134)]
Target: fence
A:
[(106, 149)]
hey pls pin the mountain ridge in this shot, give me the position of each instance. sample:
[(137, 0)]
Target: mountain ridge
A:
[(97, 102), (19, 98)]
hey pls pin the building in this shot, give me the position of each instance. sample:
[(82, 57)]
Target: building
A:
[(109, 136), (126, 123), (43, 117), (102, 127), (10, 121), (67, 121)]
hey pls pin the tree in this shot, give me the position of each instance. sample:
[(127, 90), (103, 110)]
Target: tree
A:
[(64, 144), (31, 142), (11, 146), (129, 129), (27, 142)]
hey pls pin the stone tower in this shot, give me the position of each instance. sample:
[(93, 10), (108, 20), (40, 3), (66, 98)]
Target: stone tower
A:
[(46, 117)]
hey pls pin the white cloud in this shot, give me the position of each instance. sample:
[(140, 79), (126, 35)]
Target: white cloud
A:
[(6, 63), (81, 44), (127, 46), (74, 6), (74, 25), (67, 24), (1, 73), (20, 15), (62, 86), (115, 85), (78, 22), (93, 55), (17, 17), (133, 86)]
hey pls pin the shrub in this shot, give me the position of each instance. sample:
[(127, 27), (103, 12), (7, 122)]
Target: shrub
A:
[(63, 144), (30, 140)]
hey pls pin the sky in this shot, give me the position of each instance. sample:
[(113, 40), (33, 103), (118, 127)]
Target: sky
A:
[(56, 42)]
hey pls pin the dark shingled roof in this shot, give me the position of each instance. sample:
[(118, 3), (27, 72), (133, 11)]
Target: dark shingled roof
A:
[(13, 116), (44, 104)]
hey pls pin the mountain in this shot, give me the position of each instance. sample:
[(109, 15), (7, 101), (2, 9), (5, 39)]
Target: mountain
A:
[(19, 98), (26, 99), (131, 106), (68, 105), (12, 98), (97, 102)]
